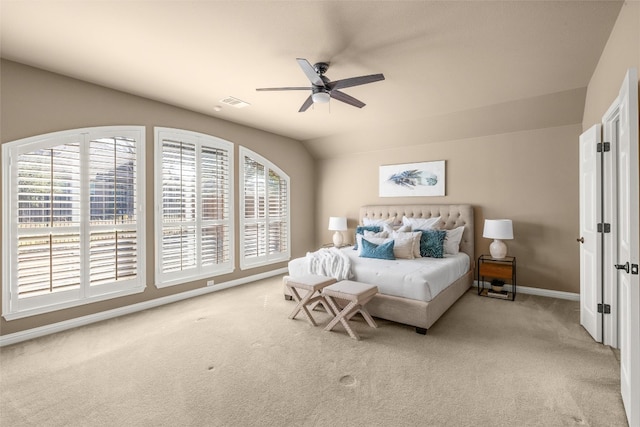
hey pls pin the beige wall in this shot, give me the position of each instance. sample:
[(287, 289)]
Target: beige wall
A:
[(530, 177), (35, 102), (621, 52)]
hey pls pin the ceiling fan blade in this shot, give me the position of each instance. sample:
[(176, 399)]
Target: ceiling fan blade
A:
[(341, 96), (355, 81), (307, 103), (283, 88), (310, 72)]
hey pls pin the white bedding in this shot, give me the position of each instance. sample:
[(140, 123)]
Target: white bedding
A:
[(419, 279)]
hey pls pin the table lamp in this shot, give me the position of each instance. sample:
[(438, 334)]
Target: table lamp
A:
[(337, 224), (498, 230)]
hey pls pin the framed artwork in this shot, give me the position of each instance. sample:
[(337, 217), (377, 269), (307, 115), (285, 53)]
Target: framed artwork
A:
[(412, 179)]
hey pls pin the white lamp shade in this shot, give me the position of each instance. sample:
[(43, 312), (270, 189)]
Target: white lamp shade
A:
[(498, 229), (337, 223)]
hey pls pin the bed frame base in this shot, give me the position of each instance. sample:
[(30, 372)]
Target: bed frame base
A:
[(421, 331)]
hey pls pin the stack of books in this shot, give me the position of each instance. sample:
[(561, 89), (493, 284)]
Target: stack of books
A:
[(496, 294)]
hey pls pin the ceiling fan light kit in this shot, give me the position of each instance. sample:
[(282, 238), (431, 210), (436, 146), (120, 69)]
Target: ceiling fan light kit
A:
[(320, 97), (323, 89)]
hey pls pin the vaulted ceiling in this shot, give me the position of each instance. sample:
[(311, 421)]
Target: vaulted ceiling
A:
[(444, 61)]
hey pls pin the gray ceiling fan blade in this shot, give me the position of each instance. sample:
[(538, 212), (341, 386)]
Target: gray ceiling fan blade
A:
[(348, 99), (283, 88), (310, 72), (306, 105), (355, 81)]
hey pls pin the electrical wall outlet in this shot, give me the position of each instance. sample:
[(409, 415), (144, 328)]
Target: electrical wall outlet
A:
[(210, 282)]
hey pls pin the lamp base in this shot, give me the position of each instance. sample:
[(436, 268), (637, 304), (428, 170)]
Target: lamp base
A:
[(498, 249), (337, 239)]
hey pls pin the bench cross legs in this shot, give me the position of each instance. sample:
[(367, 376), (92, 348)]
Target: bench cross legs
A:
[(309, 301), (347, 313)]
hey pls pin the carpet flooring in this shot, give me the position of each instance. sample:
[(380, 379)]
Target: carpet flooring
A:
[(233, 358)]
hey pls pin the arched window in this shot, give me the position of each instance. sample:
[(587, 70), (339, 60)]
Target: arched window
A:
[(73, 221), (264, 212), (194, 206)]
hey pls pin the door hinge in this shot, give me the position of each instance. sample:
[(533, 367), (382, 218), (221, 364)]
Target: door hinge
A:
[(604, 227), (603, 146), (604, 308)]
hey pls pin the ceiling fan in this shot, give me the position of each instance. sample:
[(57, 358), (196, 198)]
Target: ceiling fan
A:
[(322, 88)]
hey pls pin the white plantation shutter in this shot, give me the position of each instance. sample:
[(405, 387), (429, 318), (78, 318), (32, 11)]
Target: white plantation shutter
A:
[(194, 223), (71, 218), (112, 247), (278, 214), (255, 214), (178, 205), (264, 233), (216, 208), (48, 220)]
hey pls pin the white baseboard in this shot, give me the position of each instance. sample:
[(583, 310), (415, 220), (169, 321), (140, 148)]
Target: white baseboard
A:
[(539, 292), (121, 311)]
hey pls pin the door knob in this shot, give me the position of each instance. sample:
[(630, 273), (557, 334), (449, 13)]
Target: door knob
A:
[(581, 240), (624, 267)]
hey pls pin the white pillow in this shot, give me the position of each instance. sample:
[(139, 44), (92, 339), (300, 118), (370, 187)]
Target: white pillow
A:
[(420, 223), (415, 235), (368, 233), (385, 224), (452, 240)]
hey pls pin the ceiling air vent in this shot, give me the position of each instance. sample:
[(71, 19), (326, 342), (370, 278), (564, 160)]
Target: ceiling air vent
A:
[(234, 102)]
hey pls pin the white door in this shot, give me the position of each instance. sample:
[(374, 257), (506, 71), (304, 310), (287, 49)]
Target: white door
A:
[(590, 248), (628, 247)]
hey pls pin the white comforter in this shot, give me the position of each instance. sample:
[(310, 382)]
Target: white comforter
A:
[(420, 279)]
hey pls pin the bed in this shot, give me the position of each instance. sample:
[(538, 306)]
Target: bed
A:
[(403, 297)]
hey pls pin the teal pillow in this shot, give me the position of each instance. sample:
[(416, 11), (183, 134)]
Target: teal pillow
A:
[(361, 229), (382, 251), (432, 243)]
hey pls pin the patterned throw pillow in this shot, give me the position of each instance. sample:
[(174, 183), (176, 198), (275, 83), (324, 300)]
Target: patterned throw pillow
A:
[(361, 230), (432, 243), (382, 251)]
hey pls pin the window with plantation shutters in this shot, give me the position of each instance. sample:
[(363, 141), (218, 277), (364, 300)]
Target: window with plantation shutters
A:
[(72, 219), (194, 215), (264, 229)]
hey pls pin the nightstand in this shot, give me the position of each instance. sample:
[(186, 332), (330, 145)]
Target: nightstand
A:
[(492, 268)]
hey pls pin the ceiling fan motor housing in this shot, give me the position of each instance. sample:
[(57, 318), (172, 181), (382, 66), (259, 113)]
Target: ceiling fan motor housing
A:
[(321, 67)]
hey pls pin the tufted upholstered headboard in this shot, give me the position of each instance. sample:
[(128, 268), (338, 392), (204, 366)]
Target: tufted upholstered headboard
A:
[(452, 216)]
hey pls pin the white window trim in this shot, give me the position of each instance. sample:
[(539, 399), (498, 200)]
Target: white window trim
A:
[(175, 278), (12, 306), (268, 258)]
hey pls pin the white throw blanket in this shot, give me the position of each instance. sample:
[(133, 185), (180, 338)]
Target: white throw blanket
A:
[(330, 262)]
